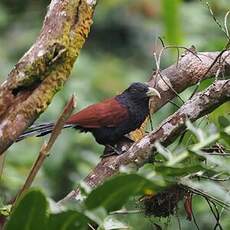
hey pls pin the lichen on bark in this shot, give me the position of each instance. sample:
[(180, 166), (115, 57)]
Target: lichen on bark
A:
[(44, 69)]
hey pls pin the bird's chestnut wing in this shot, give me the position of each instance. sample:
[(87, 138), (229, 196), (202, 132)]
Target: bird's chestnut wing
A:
[(108, 113)]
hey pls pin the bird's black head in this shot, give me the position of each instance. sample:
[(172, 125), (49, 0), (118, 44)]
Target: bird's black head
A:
[(140, 91), (137, 93)]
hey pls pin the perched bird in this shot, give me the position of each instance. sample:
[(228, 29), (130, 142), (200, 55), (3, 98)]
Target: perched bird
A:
[(108, 120)]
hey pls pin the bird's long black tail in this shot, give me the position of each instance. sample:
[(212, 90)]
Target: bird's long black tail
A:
[(39, 130)]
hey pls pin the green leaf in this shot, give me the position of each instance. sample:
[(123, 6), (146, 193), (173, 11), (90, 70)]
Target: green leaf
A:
[(219, 114), (198, 132), (30, 212), (163, 151), (207, 141), (178, 171), (225, 138), (223, 121), (67, 221), (113, 194), (110, 223)]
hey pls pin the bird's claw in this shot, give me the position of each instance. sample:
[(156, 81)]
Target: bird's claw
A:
[(111, 151)]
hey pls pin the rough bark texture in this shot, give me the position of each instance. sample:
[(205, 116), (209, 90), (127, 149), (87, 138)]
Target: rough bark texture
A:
[(188, 71), (43, 70)]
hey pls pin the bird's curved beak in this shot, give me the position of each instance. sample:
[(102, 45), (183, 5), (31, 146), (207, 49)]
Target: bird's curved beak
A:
[(152, 92)]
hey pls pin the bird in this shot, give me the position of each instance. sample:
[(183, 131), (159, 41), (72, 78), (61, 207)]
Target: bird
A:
[(110, 120)]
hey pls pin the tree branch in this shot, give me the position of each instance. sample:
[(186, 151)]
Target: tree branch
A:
[(44, 69), (200, 105), (189, 70)]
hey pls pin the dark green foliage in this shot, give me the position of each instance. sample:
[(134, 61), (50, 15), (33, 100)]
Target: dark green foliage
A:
[(67, 220), (32, 213), (116, 191), (29, 213)]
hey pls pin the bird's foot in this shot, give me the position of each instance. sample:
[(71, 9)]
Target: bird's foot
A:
[(111, 151)]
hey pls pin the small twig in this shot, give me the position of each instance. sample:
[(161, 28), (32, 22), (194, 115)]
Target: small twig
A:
[(189, 50), (218, 154), (213, 178), (206, 195), (216, 21), (162, 41), (126, 212), (44, 152), (170, 87), (225, 23), (210, 67), (174, 103), (158, 60), (217, 149), (91, 227), (194, 219), (215, 213), (222, 210)]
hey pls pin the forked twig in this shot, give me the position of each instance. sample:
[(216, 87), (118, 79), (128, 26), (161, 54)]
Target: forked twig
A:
[(224, 29), (158, 71), (215, 213), (218, 57)]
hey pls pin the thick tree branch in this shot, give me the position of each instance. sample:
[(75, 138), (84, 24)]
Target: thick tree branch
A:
[(43, 70), (200, 105), (189, 70)]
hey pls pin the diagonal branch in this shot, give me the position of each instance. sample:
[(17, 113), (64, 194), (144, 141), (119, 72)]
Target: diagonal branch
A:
[(188, 71), (200, 105), (44, 69)]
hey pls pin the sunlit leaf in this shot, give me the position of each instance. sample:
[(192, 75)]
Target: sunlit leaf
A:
[(115, 192), (198, 132), (110, 223), (163, 151)]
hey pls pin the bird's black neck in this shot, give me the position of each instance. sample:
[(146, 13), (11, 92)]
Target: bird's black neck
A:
[(140, 104)]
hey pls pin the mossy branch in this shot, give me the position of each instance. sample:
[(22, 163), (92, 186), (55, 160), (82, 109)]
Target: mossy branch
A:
[(44, 69)]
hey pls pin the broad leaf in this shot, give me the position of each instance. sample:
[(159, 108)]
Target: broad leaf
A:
[(113, 194), (110, 223), (178, 171), (30, 212), (67, 221)]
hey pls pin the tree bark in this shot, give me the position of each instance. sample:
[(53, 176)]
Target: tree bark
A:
[(44, 69)]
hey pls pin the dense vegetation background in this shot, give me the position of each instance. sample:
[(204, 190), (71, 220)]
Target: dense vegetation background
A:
[(119, 51)]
